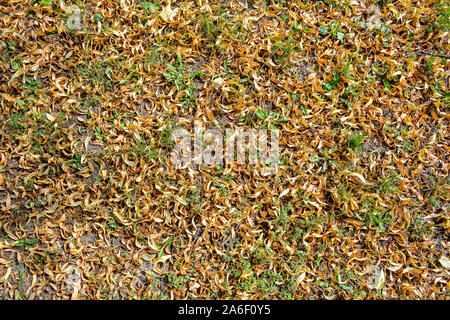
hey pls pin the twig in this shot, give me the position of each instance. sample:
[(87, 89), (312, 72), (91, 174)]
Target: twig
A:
[(446, 56)]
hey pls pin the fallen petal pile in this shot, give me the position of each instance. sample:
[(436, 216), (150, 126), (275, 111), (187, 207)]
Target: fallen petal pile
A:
[(92, 207)]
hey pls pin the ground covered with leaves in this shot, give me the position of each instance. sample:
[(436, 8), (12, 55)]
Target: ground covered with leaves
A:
[(92, 208)]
